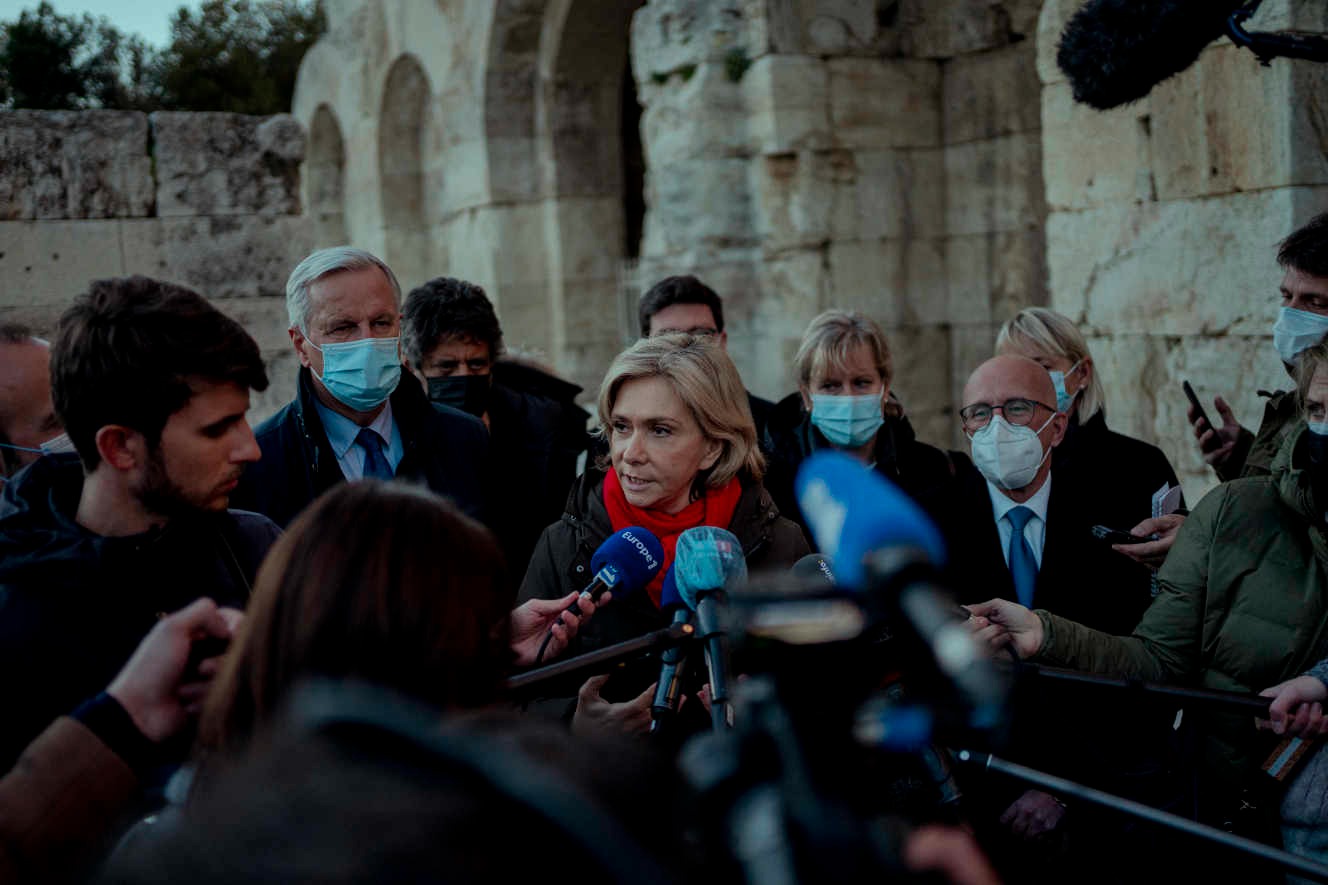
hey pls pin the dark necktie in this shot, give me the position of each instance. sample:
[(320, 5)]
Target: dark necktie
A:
[(376, 465), (1023, 567)]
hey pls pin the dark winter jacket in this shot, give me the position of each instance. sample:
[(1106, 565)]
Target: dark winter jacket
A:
[(1114, 475), (74, 605), (1255, 452), (1243, 605), (446, 449), (924, 472), (561, 564)]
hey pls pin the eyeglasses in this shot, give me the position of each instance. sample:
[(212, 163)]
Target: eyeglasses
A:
[(695, 331), (1017, 411)]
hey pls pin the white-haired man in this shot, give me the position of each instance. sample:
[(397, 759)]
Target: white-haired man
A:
[(351, 419)]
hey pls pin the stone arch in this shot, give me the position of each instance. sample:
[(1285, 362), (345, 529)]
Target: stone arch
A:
[(403, 126), (325, 178)]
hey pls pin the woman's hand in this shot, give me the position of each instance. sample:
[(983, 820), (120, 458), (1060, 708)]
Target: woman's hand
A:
[(594, 714), (535, 617), (1297, 708)]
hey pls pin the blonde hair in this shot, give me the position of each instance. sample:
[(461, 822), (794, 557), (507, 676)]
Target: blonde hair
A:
[(1308, 362), (1037, 331), (832, 336), (705, 379)]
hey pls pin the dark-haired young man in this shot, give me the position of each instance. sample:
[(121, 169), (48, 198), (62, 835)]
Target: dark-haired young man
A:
[(152, 384), (685, 304), (1302, 322), (453, 344)]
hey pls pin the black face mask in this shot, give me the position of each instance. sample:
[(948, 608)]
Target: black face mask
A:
[(469, 393)]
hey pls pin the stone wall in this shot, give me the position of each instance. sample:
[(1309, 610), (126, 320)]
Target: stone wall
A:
[(210, 201), (1164, 222)]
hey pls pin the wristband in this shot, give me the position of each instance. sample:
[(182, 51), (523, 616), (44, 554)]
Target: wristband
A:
[(107, 718)]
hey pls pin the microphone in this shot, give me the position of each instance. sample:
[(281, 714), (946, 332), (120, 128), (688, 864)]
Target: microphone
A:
[(707, 561), (815, 570), (885, 544), (852, 511), (1115, 51), (668, 690), (627, 561)]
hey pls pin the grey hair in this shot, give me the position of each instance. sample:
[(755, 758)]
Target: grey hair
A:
[(318, 265)]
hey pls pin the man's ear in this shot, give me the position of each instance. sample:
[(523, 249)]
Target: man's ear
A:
[(1060, 422), (724, 341), (300, 341), (121, 447)]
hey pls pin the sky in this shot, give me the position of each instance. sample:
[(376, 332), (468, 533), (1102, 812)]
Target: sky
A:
[(149, 18)]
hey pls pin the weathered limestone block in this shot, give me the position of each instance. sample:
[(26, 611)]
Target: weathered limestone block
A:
[(45, 264), (1186, 267), (787, 99), (227, 164), (283, 368), (991, 277), (1092, 158), (793, 197), (822, 27), (220, 256), (1050, 25), (990, 94), (970, 347), (995, 185), (947, 28), (1228, 124), (889, 194), (694, 117), (585, 232), (920, 356), (880, 103), (670, 35), (696, 203), (895, 282), (74, 164)]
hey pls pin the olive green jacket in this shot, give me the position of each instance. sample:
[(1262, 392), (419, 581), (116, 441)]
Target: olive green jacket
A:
[(1255, 452), (1243, 605)]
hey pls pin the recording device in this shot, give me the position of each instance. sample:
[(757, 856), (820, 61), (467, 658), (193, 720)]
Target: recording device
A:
[(1194, 402), (1116, 536), (815, 568), (200, 649), (668, 689), (627, 561), (706, 562)]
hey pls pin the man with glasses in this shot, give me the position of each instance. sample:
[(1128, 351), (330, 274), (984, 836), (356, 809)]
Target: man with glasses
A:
[(1017, 532)]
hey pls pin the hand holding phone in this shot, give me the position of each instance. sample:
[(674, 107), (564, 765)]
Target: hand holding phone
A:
[(1198, 411), (1116, 536)]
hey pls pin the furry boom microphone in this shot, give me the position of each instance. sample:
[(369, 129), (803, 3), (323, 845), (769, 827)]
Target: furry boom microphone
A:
[(1115, 51)]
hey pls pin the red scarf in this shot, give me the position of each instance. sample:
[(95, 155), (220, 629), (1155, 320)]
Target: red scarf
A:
[(715, 508)]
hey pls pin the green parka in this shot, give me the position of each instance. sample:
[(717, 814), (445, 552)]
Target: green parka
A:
[(1242, 605)]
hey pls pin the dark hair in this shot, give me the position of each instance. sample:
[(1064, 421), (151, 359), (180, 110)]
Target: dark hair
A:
[(126, 352), (1306, 250), (15, 333), (382, 582), (448, 309), (679, 290)]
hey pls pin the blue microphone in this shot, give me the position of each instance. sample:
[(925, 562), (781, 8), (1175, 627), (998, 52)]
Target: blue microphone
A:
[(668, 690), (706, 562), (852, 511), (626, 561)]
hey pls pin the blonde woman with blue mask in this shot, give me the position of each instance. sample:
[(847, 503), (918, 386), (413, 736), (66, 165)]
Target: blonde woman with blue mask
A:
[(843, 402)]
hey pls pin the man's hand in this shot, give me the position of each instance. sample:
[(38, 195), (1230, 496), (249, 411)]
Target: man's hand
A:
[(1216, 443), (999, 622), (594, 714), (1033, 814), (533, 618), (152, 686), (1297, 708), (1153, 553)]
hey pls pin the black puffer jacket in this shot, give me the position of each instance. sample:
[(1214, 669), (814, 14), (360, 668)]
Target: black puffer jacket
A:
[(446, 449), (74, 605), (561, 564), (924, 472)]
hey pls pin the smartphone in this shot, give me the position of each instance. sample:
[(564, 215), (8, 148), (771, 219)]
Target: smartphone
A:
[(1194, 401), (1116, 536)]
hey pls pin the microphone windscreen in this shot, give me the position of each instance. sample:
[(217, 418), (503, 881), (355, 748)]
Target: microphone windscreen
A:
[(706, 559), (852, 510), (815, 568), (668, 595), (1115, 51), (633, 555)]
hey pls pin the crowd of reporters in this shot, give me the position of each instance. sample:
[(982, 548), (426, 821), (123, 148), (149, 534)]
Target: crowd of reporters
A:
[(419, 522)]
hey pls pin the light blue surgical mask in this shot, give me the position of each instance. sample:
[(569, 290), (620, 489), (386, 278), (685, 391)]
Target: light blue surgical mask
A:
[(53, 446), (1296, 330), (360, 374), (1064, 399), (847, 421)]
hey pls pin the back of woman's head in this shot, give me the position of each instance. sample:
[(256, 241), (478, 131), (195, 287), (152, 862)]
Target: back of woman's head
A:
[(378, 582)]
